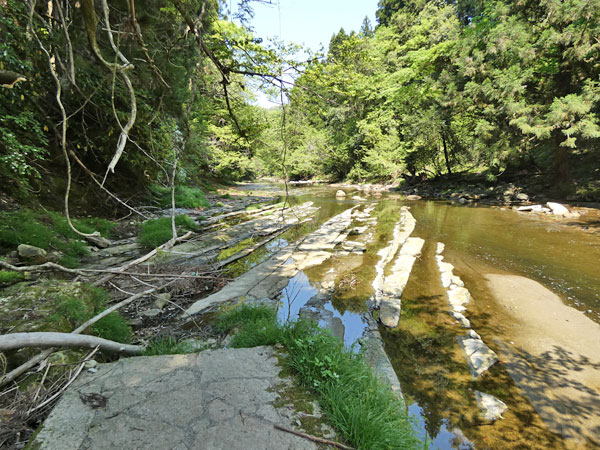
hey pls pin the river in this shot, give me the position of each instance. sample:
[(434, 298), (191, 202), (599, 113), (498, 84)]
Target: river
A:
[(549, 370)]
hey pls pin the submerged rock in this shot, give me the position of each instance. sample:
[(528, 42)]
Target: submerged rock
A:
[(413, 197), (340, 193), (491, 407)]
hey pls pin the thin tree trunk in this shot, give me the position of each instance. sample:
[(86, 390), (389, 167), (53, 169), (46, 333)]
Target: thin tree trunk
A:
[(446, 154)]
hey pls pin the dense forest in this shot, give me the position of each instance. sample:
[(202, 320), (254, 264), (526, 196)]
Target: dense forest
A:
[(130, 96)]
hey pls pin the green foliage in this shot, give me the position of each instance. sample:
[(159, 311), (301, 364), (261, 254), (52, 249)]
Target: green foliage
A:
[(155, 232), (185, 197), (76, 310), (226, 253), (167, 346), (361, 407), (49, 231), (114, 327), (8, 277)]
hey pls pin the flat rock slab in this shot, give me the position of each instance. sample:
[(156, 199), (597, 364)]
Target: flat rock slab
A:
[(479, 356), (221, 399)]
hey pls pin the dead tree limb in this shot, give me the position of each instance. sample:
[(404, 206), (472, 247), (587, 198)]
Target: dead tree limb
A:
[(14, 341), (313, 438), (43, 355), (63, 135), (165, 246)]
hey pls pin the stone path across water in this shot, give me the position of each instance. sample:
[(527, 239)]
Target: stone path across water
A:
[(223, 399)]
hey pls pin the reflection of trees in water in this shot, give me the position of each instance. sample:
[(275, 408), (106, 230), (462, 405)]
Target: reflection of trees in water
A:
[(426, 366)]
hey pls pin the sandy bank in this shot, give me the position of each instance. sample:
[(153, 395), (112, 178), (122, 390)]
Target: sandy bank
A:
[(554, 356)]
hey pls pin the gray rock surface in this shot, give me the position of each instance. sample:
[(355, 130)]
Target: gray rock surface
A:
[(271, 276), (221, 399), (29, 251), (557, 209)]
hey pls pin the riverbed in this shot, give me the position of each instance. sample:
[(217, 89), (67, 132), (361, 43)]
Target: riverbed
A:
[(535, 301)]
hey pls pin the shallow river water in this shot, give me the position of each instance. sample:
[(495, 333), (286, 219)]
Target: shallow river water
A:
[(480, 240)]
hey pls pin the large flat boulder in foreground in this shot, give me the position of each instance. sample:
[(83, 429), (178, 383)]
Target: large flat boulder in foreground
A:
[(221, 399)]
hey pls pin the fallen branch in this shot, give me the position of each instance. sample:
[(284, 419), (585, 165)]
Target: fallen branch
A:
[(167, 245), (43, 355), (64, 388), (313, 438), (82, 272), (15, 341), (42, 268)]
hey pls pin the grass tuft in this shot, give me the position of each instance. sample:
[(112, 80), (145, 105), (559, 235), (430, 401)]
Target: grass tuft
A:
[(156, 232), (92, 301), (167, 346), (8, 277), (50, 231), (362, 408)]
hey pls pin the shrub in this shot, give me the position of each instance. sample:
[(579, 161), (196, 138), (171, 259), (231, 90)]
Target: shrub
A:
[(92, 301), (9, 277)]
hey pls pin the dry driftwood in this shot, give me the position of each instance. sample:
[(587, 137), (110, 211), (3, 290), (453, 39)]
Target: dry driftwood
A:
[(12, 375), (167, 245), (14, 341), (313, 438)]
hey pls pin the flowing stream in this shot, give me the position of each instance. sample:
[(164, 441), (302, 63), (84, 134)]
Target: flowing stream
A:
[(481, 242)]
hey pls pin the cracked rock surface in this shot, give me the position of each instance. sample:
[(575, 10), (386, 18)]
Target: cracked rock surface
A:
[(221, 399)]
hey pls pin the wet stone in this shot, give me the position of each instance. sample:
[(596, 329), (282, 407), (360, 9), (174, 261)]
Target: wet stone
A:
[(491, 407)]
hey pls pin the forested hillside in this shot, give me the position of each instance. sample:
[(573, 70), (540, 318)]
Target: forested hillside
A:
[(438, 87), (138, 96), (126, 88)]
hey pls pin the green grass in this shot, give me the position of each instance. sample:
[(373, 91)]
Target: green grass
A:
[(73, 311), (7, 277), (185, 197), (50, 231), (156, 232), (226, 253), (167, 346), (360, 406)]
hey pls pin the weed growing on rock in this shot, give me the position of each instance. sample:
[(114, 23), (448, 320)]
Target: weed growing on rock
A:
[(362, 408), (167, 346)]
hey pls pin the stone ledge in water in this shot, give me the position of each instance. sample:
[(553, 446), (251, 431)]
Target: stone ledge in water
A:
[(491, 407), (459, 296), (479, 356), (460, 318)]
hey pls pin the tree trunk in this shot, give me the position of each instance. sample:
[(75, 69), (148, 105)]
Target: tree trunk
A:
[(561, 160), (446, 154)]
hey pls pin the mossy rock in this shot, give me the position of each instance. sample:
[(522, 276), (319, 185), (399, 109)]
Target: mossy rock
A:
[(30, 306)]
